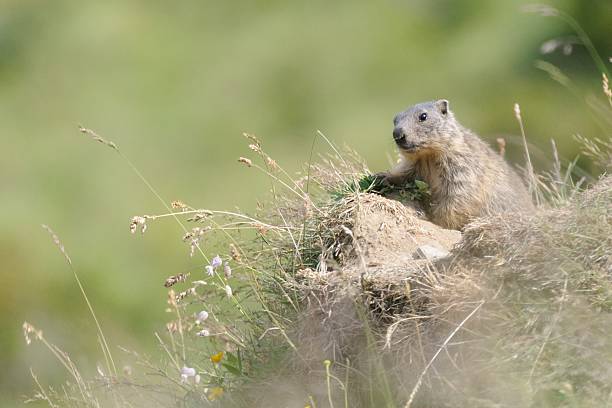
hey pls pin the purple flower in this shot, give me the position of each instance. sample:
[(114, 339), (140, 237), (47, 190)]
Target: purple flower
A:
[(216, 262)]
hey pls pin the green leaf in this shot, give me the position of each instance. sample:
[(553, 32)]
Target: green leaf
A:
[(233, 370)]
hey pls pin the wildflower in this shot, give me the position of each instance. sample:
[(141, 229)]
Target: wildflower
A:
[(216, 262), (200, 317), (138, 221), (187, 372), (228, 291), (203, 333), (216, 358), (209, 270), (215, 393), (227, 270), (246, 161)]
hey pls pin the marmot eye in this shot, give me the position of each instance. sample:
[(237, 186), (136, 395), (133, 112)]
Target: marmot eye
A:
[(422, 117)]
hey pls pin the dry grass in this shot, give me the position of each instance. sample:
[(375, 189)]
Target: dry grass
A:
[(326, 272), (320, 299), (517, 316)]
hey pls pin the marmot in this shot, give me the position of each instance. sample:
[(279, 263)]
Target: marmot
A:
[(467, 179)]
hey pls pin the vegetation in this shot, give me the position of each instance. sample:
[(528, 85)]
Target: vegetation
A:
[(291, 312), (501, 322)]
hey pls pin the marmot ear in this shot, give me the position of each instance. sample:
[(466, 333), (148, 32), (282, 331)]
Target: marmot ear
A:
[(442, 106)]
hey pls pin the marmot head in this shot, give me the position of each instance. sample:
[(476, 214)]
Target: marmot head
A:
[(424, 128)]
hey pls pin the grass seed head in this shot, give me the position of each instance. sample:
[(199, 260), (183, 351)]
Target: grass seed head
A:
[(245, 161)]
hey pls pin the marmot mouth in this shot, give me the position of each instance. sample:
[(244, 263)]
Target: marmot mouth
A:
[(408, 146)]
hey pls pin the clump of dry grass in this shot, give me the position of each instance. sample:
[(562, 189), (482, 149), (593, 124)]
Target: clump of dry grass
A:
[(545, 281)]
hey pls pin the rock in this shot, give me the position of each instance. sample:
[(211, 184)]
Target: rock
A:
[(430, 252)]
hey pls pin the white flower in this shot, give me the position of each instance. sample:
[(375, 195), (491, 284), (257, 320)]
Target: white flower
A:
[(187, 372), (209, 270), (200, 317), (227, 270), (228, 290), (216, 262), (203, 333)]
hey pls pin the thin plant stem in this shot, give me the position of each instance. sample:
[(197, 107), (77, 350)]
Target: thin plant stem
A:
[(417, 386), (105, 349), (327, 363)]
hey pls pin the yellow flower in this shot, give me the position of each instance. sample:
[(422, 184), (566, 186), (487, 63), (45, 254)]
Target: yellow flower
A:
[(216, 358), (215, 393)]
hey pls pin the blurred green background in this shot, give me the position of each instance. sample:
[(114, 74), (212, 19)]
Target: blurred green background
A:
[(175, 84)]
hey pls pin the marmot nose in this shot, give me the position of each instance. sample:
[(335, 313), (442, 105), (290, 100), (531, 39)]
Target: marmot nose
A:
[(398, 134)]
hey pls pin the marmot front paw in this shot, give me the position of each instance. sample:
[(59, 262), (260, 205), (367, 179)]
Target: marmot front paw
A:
[(383, 178)]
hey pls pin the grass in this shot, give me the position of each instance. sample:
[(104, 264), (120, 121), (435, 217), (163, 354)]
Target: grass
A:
[(515, 291), (285, 311)]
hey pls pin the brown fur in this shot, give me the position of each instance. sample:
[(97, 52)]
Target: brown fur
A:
[(466, 177)]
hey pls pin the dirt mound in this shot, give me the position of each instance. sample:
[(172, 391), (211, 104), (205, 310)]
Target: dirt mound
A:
[(514, 314), (388, 235)]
